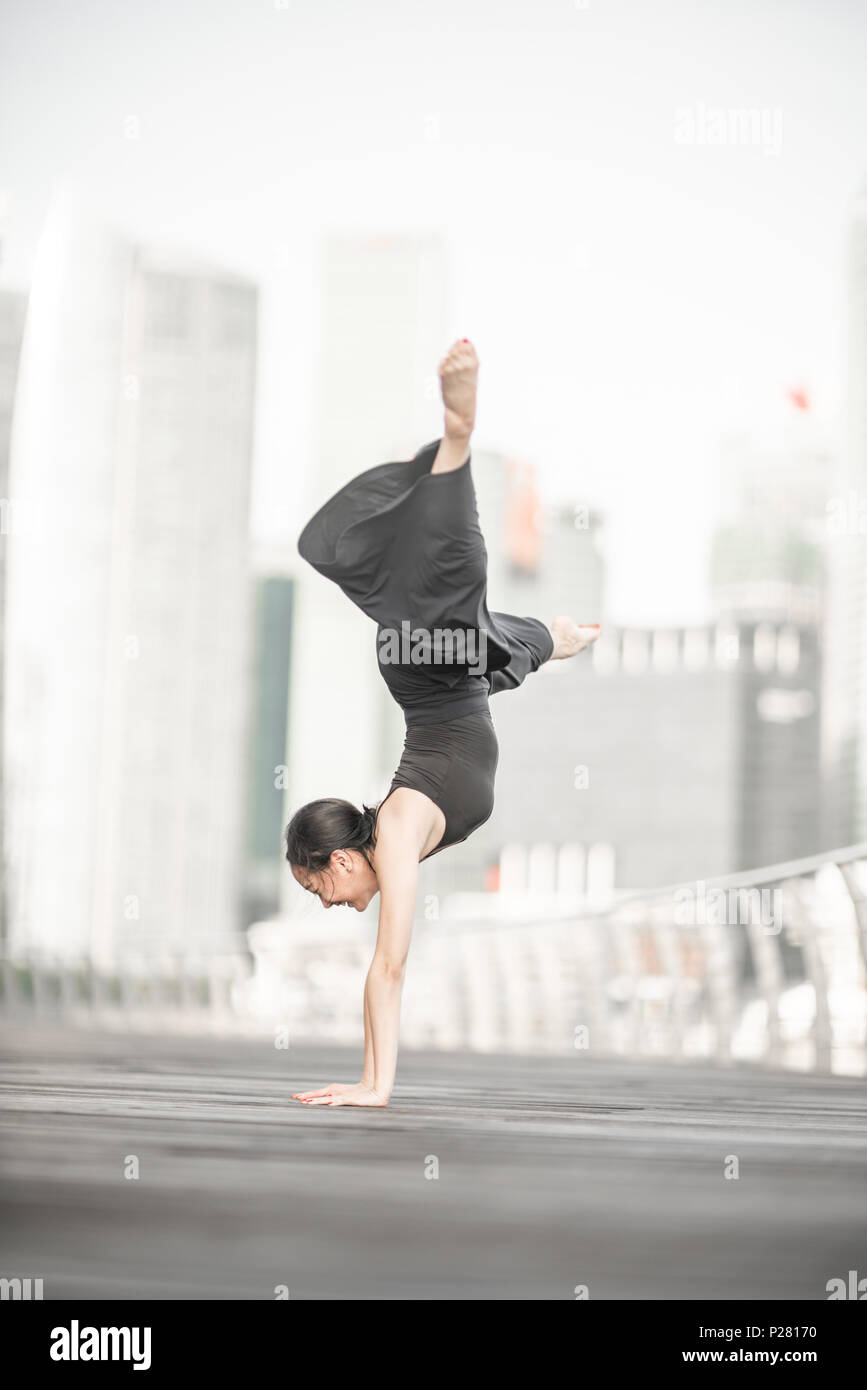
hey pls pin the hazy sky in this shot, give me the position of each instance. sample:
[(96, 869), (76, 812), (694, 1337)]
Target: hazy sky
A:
[(633, 290)]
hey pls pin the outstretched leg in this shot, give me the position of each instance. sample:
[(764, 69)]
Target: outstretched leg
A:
[(570, 637), (459, 375), (532, 644)]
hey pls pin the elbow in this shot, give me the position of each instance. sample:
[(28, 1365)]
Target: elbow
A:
[(390, 969)]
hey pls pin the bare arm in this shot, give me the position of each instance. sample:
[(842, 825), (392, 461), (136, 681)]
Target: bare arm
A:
[(367, 1070), (410, 825), (397, 859), (397, 871)]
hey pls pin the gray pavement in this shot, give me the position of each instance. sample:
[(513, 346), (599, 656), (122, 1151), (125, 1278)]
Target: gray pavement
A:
[(553, 1173)]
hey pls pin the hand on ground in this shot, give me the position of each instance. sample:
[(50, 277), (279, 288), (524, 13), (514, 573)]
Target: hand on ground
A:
[(342, 1094)]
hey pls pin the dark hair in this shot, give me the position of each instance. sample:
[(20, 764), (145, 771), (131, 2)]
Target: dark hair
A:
[(323, 826)]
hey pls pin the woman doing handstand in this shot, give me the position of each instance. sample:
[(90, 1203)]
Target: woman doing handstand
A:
[(403, 542)]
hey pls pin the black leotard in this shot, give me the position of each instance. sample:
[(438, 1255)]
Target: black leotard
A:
[(405, 545)]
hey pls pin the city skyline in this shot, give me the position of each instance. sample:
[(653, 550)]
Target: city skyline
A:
[(357, 729), (660, 379), (645, 235), (126, 641), (433, 655)]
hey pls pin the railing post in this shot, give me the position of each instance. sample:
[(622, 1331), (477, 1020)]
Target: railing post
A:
[(849, 873)]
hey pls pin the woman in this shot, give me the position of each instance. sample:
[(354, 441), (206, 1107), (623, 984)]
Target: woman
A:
[(403, 542)]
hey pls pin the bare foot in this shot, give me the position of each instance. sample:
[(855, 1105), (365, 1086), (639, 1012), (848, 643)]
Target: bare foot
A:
[(459, 373), (570, 638)]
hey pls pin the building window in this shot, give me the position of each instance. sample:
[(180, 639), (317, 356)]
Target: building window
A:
[(666, 651), (234, 314), (600, 871), (784, 706), (605, 655), (788, 650), (636, 653), (696, 648), (168, 308), (764, 647), (570, 870), (513, 868), (542, 869), (727, 645)]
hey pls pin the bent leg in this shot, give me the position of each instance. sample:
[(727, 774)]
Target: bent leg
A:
[(531, 645)]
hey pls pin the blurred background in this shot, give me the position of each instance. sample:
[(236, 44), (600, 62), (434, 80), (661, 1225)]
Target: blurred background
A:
[(235, 240)]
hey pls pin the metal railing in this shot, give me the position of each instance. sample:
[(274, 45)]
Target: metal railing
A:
[(766, 967), (188, 993)]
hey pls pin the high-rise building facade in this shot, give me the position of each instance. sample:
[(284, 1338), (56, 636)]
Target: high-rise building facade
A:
[(770, 550), (13, 306), (382, 328), (542, 561), (781, 554), (383, 332), (128, 601), (850, 547), (267, 769), (668, 754)]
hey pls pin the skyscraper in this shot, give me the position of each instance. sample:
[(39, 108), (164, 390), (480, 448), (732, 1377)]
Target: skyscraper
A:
[(850, 549), (269, 726), (778, 557), (542, 561), (382, 336), (677, 754), (769, 558), (12, 311), (128, 601)]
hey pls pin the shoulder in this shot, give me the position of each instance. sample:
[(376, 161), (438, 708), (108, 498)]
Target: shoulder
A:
[(404, 821)]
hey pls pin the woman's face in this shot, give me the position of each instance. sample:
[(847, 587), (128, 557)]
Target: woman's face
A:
[(349, 881)]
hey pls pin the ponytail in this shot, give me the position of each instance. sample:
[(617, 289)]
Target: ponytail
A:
[(321, 827)]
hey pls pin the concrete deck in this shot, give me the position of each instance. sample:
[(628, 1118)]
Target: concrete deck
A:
[(552, 1173)]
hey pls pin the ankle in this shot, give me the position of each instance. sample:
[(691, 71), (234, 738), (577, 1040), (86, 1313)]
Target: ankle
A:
[(452, 453)]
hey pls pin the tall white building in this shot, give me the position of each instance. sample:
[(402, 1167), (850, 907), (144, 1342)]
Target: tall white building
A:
[(778, 557), (857, 477), (542, 560), (127, 612), (847, 663), (770, 553), (13, 305), (383, 317)]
